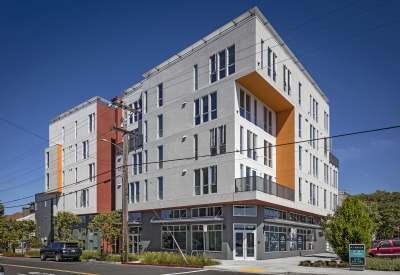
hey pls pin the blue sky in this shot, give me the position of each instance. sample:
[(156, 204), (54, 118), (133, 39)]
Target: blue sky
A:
[(57, 54)]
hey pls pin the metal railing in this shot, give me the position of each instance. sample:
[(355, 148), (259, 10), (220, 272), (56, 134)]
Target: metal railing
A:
[(255, 183)]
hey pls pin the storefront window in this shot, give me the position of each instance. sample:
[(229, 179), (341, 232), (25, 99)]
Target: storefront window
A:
[(310, 239), (275, 238), (179, 232), (213, 237)]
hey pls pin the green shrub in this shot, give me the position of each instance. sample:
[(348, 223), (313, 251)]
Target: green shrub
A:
[(90, 254), (13, 254), (319, 263), (383, 264), (305, 263), (332, 264), (344, 264), (174, 258), (35, 253)]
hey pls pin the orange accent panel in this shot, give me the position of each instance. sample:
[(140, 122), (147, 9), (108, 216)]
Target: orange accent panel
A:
[(59, 168), (285, 126)]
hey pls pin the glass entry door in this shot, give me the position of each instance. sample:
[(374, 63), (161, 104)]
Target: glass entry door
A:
[(134, 242), (244, 241)]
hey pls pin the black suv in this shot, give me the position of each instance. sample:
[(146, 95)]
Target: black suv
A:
[(60, 251)]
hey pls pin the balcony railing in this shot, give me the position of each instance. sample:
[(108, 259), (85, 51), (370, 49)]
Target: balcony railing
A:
[(255, 183)]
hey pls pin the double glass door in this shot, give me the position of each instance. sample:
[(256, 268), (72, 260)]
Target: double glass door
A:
[(134, 243), (244, 240)]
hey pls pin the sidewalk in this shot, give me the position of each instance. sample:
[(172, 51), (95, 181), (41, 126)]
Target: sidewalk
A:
[(291, 266)]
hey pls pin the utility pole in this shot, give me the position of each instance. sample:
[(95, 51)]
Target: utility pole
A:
[(125, 132)]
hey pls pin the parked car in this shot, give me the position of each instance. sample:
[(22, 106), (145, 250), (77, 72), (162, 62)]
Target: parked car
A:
[(385, 248), (60, 251)]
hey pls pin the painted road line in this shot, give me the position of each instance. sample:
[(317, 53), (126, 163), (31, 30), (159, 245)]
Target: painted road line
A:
[(247, 269), (185, 272), (51, 269)]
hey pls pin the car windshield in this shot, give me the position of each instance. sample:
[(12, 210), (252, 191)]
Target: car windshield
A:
[(374, 243)]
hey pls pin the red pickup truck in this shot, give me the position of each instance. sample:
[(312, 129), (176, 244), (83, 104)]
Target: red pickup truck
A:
[(385, 248)]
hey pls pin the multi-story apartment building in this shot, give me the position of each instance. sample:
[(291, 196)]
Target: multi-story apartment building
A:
[(79, 166), (235, 159)]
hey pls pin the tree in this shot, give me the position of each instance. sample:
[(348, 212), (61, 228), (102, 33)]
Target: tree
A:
[(64, 222), (108, 225), (350, 224), (388, 207), (24, 231), (1, 210)]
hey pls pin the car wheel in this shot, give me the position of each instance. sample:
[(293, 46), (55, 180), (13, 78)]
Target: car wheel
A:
[(58, 258), (42, 257), (76, 259)]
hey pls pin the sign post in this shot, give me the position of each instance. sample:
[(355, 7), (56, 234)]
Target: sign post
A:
[(357, 256)]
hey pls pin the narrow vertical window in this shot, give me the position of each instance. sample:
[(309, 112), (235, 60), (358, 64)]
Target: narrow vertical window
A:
[(84, 150), (248, 103), (274, 61), (270, 122), (241, 139), (205, 108), (254, 147), (262, 54), (222, 64), (196, 147), (299, 94), (269, 62), (76, 175), (146, 159), (242, 103), (299, 125), (47, 159), (324, 198), (284, 78), (145, 131), (160, 157), (160, 188), (140, 162), (160, 126), (265, 153), (222, 139), (310, 112), (47, 181), (197, 182), (134, 161), (63, 178), (160, 95), (91, 123), (146, 191), (76, 152), (231, 60), (265, 120), (213, 179), (205, 180), (145, 102), (316, 111), (137, 192), (91, 172), (300, 157), (76, 129), (213, 105), (270, 155), (300, 191), (213, 141), (213, 68), (63, 156), (195, 77), (289, 80), (197, 117), (249, 143), (63, 134), (255, 111)]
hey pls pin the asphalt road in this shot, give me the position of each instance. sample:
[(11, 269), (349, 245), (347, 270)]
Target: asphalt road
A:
[(19, 266)]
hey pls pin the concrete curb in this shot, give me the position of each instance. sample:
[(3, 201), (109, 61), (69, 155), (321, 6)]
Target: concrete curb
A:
[(166, 265)]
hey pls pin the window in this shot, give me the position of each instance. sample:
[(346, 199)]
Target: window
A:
[(85, 149), (313, 137), (299, 94), (160, 157), (146, 159), (173, 214), (63, 178), (262, 54), (316, 111), (63, 134), (219, 62), (324, 198), (254, 147), (160, 126), (145, 101), (248, 107), (196, 147), (47, 159), (284, 78), (207, 105), (134, 192), (312, 194), (137, 163), (146, 191), (76, 152), (76, 175), (195, 78), (91, 123), (213, 141), (160, 94), (241, 139), (269, 62), (249, 141), (274, 61), (275, 238), (267, 154), (76, 199), (330, 201), (300, 157), (76, 129), (255, 111), (84, 202), (91, 172), (275, 214), (222, 139), (326, 121), (300, 191), (213, 237), (245, 210), (179, 235), (289, 76), (214, 211), (203, 179), (299, 125), (47, 181), (145, 131), (160, 188)]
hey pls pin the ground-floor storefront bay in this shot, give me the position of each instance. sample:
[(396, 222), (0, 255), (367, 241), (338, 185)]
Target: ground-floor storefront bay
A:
[(251, 232)]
